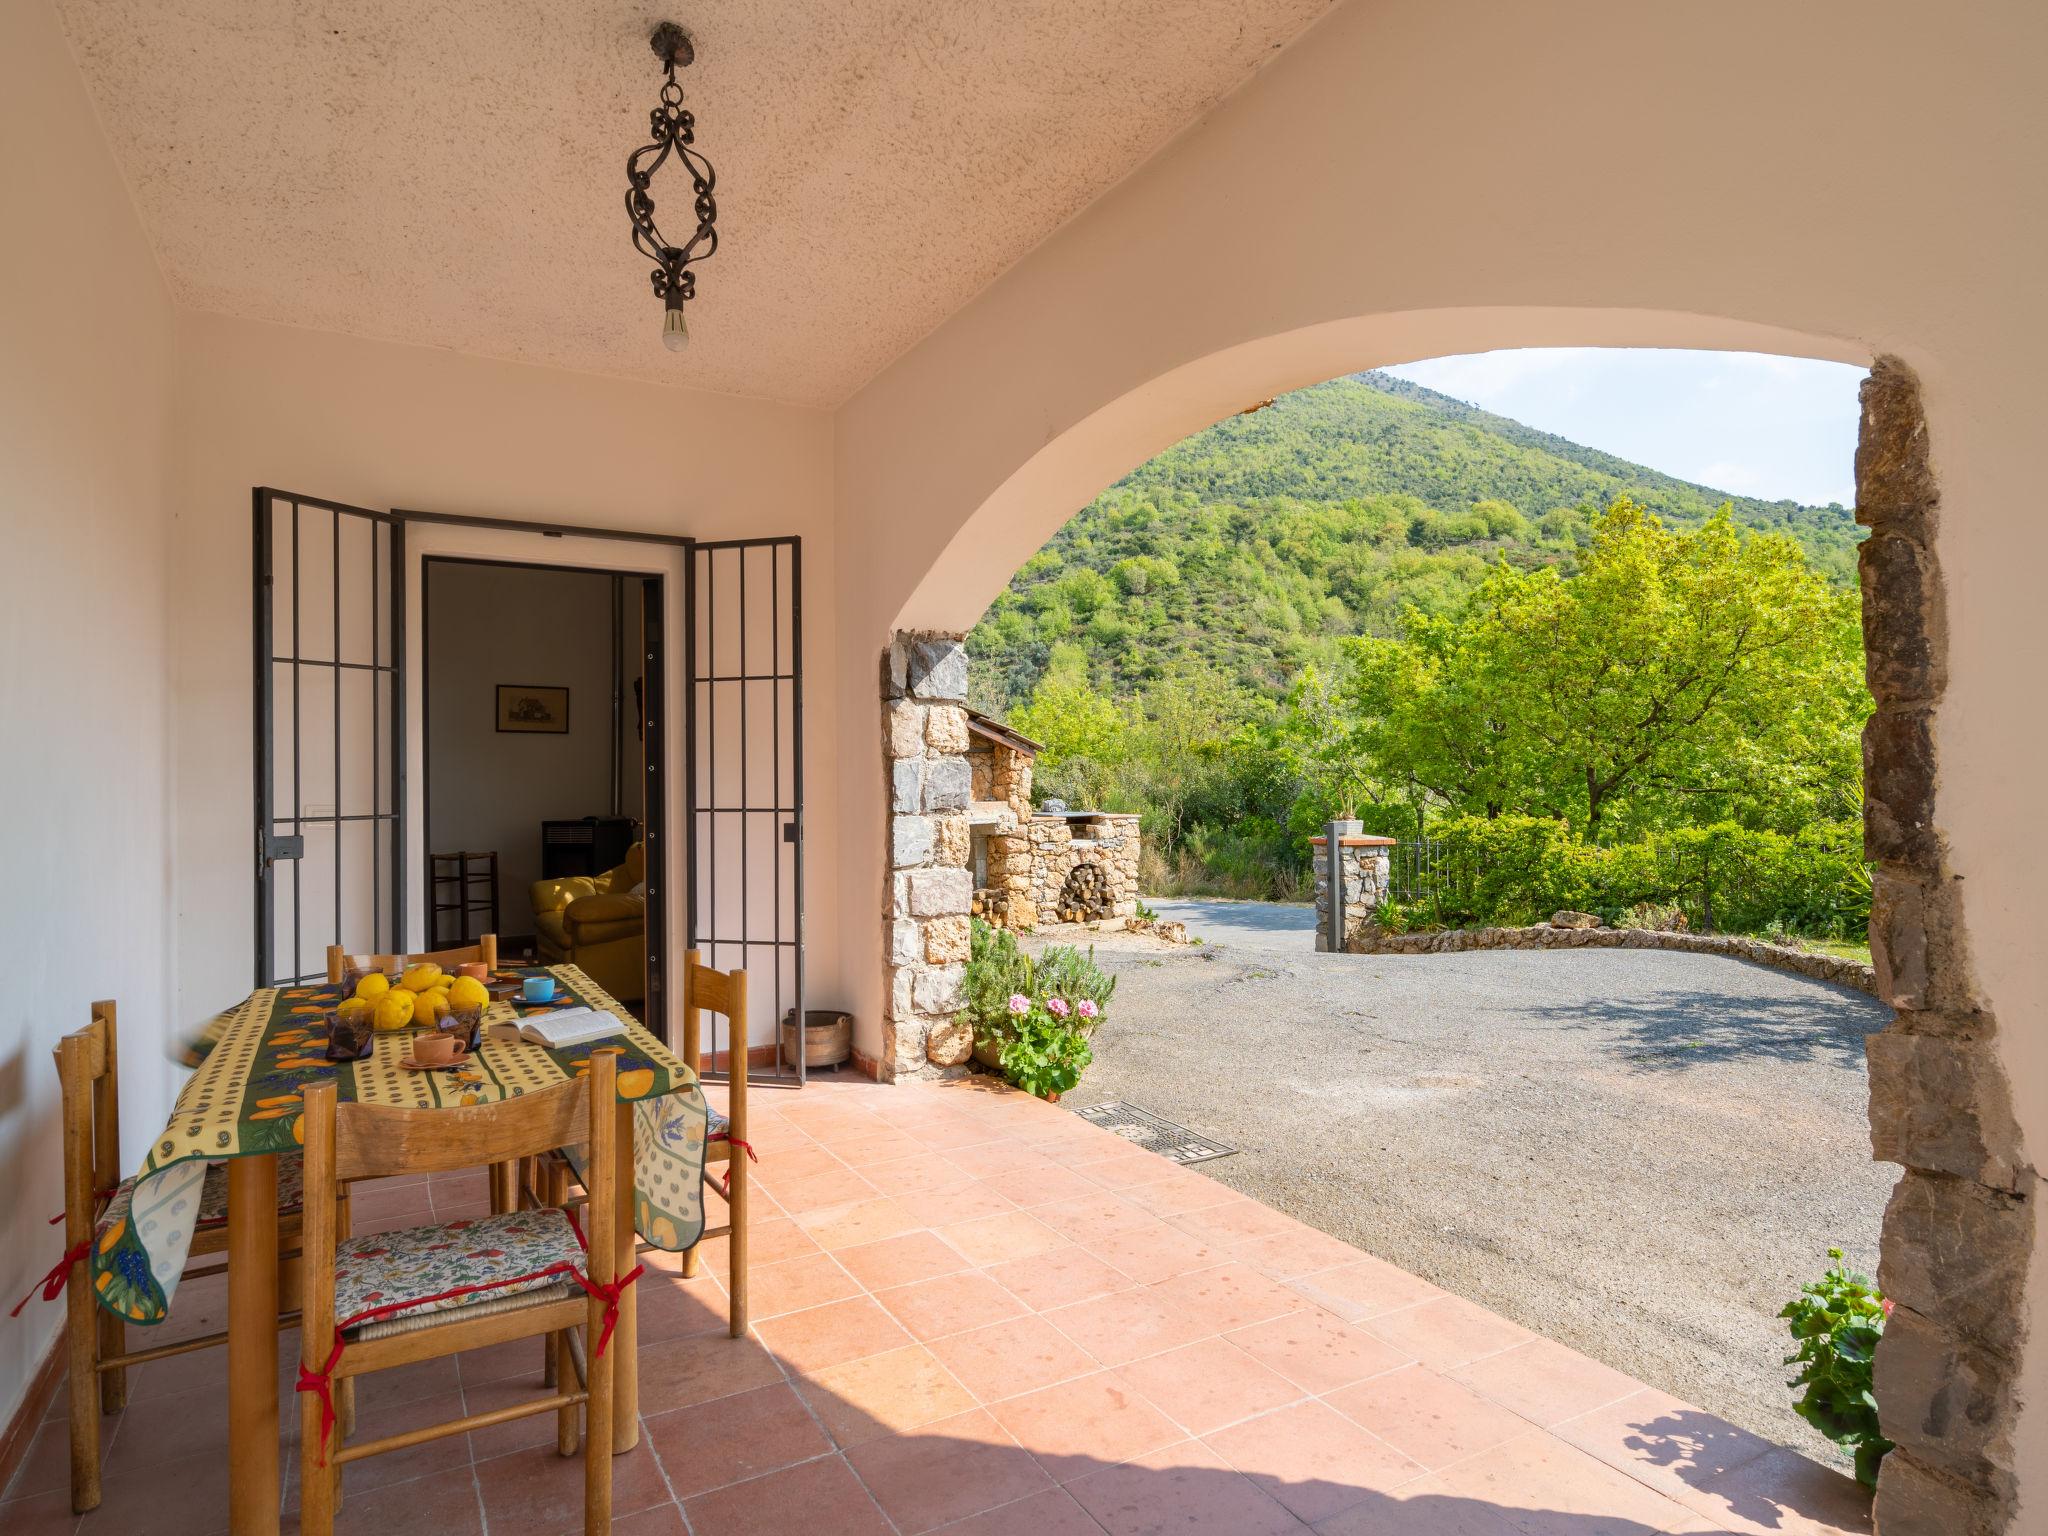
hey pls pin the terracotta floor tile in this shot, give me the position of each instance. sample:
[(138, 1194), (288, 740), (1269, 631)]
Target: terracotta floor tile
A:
[(901, 1260), (1185, 1490), (887, 1394), (1783, 1494), (1008, 1359), (1426, 1507), (1180, 1193), (926, 1173), (1313, 1459), (931, 1309), (1230, 1296), (1130, 1325), (1204, 1386), (1365, 1289), (516, 1435), (195, 1503), (821, 1191), (1152, 1251), (795, 1284), (748, 1434), (513, 1360), (438, 1504), (1043, 1186), (817, 1498), (770, 1242), (1317, 1352), (1672, 1446), (1547, 1488), (676, 1373), (678, 1309), (1000, 1238), (875, 1146), (540, 1493), (969, 1200), (1051, 1513), (662, 1520), (46, 1465), (867, 1221), (997, 1159), (49, 1514), (1447, 1333), (1290, 1255), (1083, 1425), (947, 1471), (1059, 1278), (832, 1334), (1235, 1221), (1092, 1215), (1427, 1416), (434, 1458), (952, 1135), (1545, 1382), (782, 1165)]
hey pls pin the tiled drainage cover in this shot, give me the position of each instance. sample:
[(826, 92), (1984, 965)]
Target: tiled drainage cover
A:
[(1154, 1134)]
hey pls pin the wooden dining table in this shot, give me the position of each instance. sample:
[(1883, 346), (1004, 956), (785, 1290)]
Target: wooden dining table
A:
[(252, 1064)]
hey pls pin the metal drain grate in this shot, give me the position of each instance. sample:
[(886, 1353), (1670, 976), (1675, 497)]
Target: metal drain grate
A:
[(1156, 1135)]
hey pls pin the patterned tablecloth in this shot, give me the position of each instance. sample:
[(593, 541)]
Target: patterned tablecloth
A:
[(253, 1064)]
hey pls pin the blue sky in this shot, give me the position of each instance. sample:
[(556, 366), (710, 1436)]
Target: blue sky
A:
[(1757, 425)]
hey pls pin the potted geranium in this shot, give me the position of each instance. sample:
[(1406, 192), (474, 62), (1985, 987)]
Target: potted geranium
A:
[(1032, 1019)]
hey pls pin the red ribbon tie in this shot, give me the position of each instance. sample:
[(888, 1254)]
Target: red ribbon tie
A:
[(322, 1382), (608, 1294), (52, 1285)]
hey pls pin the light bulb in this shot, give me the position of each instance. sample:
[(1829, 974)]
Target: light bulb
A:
[(675, 333)]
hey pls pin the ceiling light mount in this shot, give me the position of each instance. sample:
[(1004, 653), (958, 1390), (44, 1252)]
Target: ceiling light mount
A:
[(675, 131)]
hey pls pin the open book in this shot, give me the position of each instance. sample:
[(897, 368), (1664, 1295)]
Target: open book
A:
[(567, 1026)]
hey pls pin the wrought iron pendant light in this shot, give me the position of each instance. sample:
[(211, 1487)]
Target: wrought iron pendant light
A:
[(674, 134)]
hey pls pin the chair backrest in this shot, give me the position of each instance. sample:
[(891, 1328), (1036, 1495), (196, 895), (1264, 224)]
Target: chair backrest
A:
[(724, 993), (484, 950), (89, 1078)]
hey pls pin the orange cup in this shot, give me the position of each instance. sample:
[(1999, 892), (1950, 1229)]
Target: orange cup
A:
[(433, 1049), (475, 970)]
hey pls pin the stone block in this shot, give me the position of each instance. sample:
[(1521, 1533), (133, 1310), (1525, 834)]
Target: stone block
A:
[(1898, 789), (1916, 943), (936, 668), (906, 942), (1955, 1250), (1941, 1102), (1918, 1501), (1902, 620), (905, 729), (939, 892), (945, 729), (1939, 1400), (1895, 484), (947, 940), (947, 784), (902, 994), (896, 667), (951, 840), (906, 784), (950, 1044), (910, 841), (937, 989)]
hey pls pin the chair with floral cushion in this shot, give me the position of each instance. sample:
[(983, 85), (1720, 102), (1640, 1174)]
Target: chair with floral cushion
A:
[(96, 1198), (376, 1302), (723, 993)]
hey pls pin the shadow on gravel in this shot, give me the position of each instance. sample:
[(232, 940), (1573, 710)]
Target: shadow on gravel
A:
[(1674, 1031)]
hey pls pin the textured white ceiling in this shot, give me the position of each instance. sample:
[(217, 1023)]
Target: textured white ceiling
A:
[(452, 173)]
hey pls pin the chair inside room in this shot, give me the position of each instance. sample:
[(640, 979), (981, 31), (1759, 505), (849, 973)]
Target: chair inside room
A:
[(422, 1293), (725, 994), (483, 951), (97, 1358)]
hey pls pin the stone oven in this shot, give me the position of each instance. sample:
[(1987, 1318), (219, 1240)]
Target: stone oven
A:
[(1033, 867)]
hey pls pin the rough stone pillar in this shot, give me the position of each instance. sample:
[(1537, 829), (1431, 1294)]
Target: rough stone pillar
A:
[(1365, 864), (1959, 1231), (925, 909)]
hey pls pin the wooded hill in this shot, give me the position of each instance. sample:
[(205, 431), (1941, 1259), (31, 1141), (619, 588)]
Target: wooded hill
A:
[(1249, 549)]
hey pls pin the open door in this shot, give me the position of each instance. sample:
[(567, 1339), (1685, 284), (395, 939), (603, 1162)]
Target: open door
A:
[(329, 737)]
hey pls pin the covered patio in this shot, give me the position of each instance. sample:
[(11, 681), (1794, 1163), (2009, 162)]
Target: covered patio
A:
[(976, 1312)]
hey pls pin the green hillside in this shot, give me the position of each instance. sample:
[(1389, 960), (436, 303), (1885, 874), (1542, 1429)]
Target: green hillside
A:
[(1249, 549)]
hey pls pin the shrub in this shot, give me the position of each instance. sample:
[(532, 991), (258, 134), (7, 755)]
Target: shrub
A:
[(1837, 1321), (1034, 1015)]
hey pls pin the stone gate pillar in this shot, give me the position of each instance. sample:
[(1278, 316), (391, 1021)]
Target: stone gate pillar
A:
[(925, 908), (1364, 865)]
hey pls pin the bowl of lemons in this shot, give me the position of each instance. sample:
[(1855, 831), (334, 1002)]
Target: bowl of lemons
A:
[(423, 996)]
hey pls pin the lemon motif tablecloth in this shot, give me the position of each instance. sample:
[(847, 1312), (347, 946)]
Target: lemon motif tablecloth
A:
[(254, 1062)]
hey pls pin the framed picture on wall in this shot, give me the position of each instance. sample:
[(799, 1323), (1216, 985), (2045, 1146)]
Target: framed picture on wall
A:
[(526, 707)]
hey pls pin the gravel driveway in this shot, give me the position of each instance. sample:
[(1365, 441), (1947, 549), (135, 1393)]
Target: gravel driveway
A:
[(1639, 1154)]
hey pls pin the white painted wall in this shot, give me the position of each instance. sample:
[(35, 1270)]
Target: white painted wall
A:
[(1419, 177), (85, 770), (490, 789)]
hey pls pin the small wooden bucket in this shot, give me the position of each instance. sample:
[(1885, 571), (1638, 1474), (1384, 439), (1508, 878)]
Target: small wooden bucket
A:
[(828, 1037)]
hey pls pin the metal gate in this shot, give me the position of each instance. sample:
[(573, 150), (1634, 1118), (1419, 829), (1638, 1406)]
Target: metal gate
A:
[(329, 737), (744, 665)]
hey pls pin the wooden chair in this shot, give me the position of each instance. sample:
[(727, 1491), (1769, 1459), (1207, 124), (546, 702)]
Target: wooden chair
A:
[(97, 1356), (723, 993), (484, 949), (390, 1300)]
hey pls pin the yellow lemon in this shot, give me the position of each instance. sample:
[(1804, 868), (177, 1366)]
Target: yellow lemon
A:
[(422, 978), (466, 992), (373, 986), (394, 1009), (432, 1006)]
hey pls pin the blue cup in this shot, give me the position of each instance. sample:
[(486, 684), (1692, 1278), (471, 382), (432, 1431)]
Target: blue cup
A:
[(538, 989)]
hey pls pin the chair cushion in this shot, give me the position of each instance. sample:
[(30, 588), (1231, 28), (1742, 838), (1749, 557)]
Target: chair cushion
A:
[(439, 1269), (291, 1189)]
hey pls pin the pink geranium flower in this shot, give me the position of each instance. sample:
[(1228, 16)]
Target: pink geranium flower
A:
[(1019, 1003), (1086, 1008), (1056, 1006)]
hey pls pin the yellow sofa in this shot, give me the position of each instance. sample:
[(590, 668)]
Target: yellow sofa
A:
[(598, 922)]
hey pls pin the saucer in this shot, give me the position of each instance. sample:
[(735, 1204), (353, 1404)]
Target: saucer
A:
[(459, 1059)]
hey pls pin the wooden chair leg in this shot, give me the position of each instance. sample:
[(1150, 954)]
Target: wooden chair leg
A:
[(691, 1262), (345, 1406), (84, 1387), (736, 1248), (561, 1368), (597, 1444), (113, 1342), (318, 1484)]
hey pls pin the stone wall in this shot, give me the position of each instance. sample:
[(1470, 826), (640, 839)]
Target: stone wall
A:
[(1366, 863), (1000, 775), (1052, 847), (924, 744)]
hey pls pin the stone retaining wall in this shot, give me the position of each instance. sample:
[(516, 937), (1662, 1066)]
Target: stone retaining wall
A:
[(1848, 973)]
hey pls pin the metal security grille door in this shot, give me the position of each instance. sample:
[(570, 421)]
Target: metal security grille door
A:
[(744, 667), (329, 679)]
